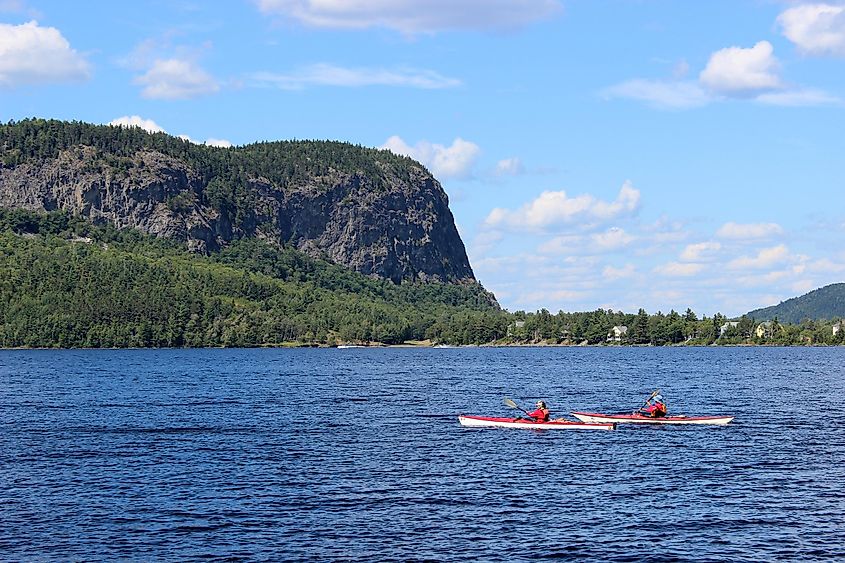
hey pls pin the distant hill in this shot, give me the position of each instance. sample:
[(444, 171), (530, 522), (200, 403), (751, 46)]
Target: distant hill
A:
[(825, 303)]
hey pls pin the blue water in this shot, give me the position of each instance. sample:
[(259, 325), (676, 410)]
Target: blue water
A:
[(357, 455)]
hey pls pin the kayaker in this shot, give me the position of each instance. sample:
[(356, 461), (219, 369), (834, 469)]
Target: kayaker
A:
[(654, 407), (541, 414)]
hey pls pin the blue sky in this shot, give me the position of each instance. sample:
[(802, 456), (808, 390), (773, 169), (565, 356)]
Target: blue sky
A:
[(615, 154)]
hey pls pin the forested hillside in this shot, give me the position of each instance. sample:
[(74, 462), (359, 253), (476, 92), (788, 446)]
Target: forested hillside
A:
[(67, 283), (821, 304)]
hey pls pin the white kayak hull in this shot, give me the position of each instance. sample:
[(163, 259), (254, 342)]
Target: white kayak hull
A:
[(490, 421), (639, 419)]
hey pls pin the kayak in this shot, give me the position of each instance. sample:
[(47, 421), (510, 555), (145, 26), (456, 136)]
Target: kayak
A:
[(557, 424), (591, 417)]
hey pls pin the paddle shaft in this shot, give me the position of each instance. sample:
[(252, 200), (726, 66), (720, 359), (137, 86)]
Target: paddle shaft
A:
[(513, 405)]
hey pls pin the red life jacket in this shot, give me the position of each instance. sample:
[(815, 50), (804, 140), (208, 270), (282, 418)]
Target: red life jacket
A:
[(541, 415)]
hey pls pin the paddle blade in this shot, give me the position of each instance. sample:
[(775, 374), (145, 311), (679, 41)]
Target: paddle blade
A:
[(511, 404)]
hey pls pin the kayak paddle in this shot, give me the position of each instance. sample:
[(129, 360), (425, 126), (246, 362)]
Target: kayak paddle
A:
[(513, 405), (650, 397)]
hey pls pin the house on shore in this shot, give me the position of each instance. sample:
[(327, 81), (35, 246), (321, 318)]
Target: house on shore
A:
[(765, 329), (617, 333), (724, 328)]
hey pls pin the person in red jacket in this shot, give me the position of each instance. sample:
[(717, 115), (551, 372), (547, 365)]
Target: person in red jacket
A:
[(541, 414), (654, 407)]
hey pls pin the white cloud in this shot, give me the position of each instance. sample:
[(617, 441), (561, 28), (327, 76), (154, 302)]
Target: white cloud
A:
[(509, 167), (816, 29), (557, 208), (612, 239), (174, 79), (660, 93), (803, 286), (736, 71), (700, 251), (211, 142), (332, 75), (824, 266), (679, 269), (455, 161), (137, 121), (732, 73), (749, 231), (611, 273), (484, 242), (30, 54), (153, 127), (219, 143), (766, 258), (806, 97), (413, 16)]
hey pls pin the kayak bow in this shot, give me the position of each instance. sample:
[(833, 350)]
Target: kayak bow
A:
[(557, 424), (591, 417)]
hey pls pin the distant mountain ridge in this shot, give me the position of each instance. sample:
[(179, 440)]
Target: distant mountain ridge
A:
[(370, 210), (824, 303)]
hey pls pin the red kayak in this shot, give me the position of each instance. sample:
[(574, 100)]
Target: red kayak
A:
[(591, 417), (557, 424)]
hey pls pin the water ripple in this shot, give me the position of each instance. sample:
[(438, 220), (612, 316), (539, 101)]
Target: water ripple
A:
[(356, 455)]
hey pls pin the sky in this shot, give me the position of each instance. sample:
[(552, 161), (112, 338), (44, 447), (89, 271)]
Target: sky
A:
[(615, 154)]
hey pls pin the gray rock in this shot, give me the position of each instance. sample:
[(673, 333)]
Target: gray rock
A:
[(397, 227)]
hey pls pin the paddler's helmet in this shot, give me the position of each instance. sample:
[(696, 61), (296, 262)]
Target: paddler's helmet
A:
[(541, 405), (658, 398)]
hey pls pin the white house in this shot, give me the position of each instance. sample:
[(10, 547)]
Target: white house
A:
[(617, 333), (724, 328)]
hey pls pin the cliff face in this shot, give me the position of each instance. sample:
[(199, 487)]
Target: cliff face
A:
[(389, 218)]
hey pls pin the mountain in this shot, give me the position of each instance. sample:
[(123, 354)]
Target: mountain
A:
[(821, 304), (369, 210)]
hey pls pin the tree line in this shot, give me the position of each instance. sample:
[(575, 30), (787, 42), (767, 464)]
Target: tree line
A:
[(65, 282)]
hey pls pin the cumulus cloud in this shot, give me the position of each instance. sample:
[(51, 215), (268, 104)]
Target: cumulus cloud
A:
[(137, 121), (766, 258), (660, 93), (331, 75), (455, 161), (31, 54), (700, 251), (736, 71), (413, 16), (816, 29), (749, 231), (557, 208), (732, 73), (176, 79), (509, 167)]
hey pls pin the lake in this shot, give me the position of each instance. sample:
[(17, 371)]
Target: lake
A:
[(357, 455)]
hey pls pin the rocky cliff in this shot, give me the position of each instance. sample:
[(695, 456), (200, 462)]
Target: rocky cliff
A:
[(370, 210)]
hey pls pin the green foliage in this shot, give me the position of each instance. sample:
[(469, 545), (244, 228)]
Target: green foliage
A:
[(821, 304), (67, 283)]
